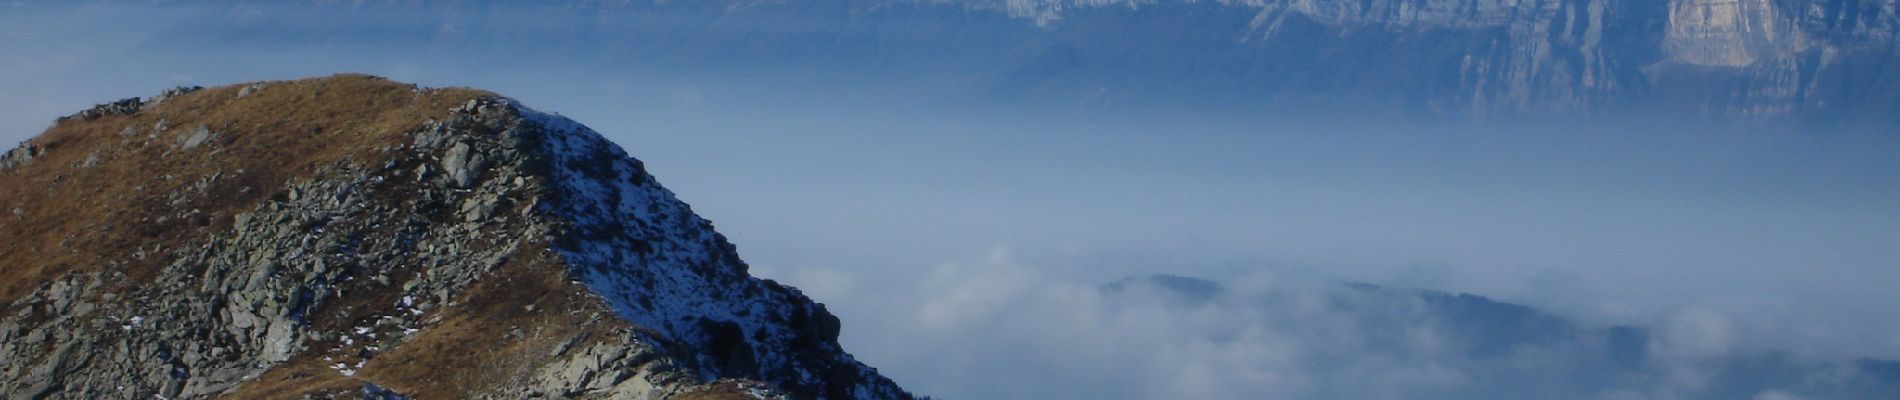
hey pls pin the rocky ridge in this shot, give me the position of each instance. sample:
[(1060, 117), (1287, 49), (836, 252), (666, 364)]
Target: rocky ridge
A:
[(454, 245)]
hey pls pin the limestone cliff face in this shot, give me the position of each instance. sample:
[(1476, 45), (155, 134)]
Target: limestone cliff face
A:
[(1726, 33), (351, 237)]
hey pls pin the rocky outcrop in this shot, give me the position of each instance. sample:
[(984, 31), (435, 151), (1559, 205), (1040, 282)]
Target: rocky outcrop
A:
[(128, 106), (491, 252), (17, 156)]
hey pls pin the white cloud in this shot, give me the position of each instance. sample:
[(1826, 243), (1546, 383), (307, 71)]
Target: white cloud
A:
[(1026, 331), (964, 294)]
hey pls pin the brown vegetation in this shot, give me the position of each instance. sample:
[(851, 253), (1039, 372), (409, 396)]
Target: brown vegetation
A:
[(126, 189), (93, 196), (497, 332)]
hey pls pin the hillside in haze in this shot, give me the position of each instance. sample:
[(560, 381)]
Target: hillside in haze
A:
[(355, 237)]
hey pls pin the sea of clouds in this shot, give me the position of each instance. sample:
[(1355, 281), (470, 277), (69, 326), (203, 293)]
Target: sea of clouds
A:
[(995, 326)]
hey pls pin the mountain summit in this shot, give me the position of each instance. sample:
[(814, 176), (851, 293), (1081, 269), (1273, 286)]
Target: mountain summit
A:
[(353, 237)]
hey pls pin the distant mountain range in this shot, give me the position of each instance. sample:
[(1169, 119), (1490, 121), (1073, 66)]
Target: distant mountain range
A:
[(1812, 60)]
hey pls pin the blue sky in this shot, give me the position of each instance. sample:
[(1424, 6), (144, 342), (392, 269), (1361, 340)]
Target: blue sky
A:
[(887, 199)]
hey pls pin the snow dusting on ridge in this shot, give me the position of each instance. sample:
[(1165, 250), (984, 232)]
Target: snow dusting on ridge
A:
[(665, 269)]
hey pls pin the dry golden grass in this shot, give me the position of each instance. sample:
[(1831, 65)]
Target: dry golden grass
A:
[(72, 218), (490, 339), (293, 380)]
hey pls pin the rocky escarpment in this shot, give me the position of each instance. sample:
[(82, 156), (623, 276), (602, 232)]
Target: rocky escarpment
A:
[(350, 237)]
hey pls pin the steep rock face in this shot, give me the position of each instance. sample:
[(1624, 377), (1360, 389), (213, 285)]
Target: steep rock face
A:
[(1725, 33), (1485, 57), (354, 237)]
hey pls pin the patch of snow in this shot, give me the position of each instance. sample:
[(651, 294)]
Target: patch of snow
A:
[(133, 323), (345, 369)]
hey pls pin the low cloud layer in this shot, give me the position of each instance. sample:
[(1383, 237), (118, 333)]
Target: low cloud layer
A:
[(997, 327)]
